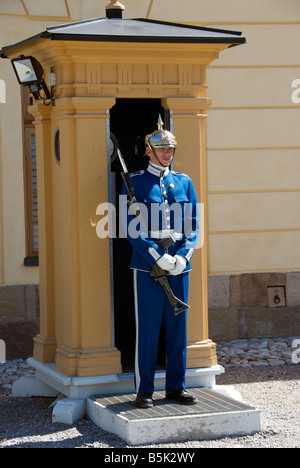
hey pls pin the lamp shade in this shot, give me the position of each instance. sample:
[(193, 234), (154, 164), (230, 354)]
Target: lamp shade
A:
[(28, 70)]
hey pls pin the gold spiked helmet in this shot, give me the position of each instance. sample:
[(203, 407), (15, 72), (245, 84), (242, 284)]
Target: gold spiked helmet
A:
[(161, 138)]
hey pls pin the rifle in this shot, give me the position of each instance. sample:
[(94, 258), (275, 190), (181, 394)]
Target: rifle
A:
[(156, 272)]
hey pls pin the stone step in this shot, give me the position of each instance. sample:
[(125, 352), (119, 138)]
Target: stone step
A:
[(215, 415)]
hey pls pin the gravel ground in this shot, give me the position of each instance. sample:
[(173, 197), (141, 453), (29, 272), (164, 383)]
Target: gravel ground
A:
[(26, 422)]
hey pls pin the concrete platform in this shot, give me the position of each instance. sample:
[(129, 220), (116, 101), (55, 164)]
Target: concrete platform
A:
[(219, 412), (46, 376), (215, 415)]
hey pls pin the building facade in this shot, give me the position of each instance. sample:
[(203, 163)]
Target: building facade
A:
[(253, 143)]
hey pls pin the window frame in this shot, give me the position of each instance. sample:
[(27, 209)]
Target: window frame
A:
[(30, 189)]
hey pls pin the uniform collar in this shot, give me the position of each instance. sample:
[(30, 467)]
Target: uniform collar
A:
[(158, 171)]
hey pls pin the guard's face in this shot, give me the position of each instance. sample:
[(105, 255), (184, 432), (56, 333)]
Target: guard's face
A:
[(165, 156)]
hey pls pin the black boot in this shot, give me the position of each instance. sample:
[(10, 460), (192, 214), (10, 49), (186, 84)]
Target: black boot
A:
[(182, 397), (144, 400)]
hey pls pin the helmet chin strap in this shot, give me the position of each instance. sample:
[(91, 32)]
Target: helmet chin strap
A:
[(155, 155)]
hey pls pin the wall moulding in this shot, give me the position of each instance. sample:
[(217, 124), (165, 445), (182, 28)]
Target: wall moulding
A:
[(134, 79), (108, 69), (98, 68)]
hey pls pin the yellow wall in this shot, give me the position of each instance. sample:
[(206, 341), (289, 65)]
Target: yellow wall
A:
[(12, 225), (253, 134), (253, 187), (12, 213)]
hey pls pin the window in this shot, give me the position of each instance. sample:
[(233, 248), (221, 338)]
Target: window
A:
[(30, 183)]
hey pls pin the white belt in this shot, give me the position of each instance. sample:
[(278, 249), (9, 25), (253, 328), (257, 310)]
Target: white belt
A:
[(166, 233)]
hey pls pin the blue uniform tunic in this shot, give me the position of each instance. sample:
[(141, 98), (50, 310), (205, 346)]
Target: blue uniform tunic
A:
[(168, 205)]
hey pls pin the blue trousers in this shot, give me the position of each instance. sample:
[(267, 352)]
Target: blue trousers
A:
[(152, 308)]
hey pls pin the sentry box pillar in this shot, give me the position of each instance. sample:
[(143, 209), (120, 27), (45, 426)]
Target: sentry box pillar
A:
[(97, 73)]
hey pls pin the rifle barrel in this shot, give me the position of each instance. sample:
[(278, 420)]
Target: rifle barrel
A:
[(122, 161)]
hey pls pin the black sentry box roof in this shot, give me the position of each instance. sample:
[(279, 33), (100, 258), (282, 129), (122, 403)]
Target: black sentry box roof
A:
[(133, 30)]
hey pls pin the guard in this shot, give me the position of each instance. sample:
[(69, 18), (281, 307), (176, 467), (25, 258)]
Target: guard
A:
[(168, 203)]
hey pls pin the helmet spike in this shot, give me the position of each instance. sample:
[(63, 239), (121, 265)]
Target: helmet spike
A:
[(160, 123)]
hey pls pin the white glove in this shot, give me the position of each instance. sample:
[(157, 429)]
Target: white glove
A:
[(166, 262), (179, 266)]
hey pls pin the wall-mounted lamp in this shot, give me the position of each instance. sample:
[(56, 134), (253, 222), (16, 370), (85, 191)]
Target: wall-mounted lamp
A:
[(30, 73)]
